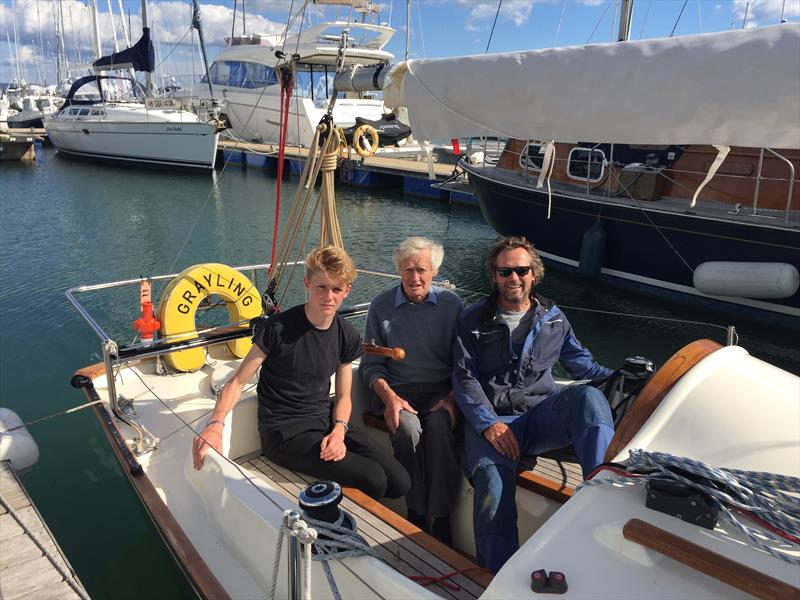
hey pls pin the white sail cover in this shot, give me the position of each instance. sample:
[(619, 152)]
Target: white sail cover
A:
[(737, 88)]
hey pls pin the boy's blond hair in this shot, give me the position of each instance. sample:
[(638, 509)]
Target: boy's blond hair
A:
[(333, 261)]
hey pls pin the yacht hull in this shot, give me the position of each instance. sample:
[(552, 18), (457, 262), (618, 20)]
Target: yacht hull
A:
[(257, 117), (645, 244), (182, 145)]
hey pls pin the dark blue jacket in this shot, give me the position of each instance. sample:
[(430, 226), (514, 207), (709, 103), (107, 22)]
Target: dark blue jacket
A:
[(490, 380)]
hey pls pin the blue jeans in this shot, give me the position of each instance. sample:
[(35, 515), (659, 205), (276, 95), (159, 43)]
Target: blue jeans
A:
[(577, 414)]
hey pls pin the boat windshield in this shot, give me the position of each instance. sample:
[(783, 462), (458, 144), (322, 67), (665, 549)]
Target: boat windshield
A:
[(242, 74), (314, 81), (122, 90)]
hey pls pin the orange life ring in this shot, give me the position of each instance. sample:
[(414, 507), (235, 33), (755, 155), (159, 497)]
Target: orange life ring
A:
[(361, 132)]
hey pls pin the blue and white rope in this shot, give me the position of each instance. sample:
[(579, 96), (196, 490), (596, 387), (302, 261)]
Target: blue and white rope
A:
[(767, 495)]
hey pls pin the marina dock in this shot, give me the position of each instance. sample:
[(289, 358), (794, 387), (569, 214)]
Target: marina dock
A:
[(31, 563), (396, 167)]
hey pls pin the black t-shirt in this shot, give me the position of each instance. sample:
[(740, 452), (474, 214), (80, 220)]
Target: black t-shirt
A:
[(295, 380)]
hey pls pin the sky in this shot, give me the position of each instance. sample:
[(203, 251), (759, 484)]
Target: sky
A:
[(438, 28)]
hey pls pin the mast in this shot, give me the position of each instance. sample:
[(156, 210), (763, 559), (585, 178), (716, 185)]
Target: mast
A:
[(148, 76), (41, 45), (113, 27), (408, 25), (8, 43), (196, 23), (95, 30), (56, 10), (125, 33), (625, 18), (16, 43)]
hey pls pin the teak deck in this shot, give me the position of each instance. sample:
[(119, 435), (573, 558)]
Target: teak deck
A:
[(25, 570), (406, 548)]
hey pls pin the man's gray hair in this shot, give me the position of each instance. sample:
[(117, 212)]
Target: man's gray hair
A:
[(414, 245)]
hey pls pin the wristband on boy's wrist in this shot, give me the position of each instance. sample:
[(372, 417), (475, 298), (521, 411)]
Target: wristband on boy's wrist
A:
[(216, 421), (343, 423)]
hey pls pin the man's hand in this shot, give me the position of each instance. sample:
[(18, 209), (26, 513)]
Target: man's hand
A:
[(448, 403), (332, 446), (391, 411), (503, 439), (210, 437)]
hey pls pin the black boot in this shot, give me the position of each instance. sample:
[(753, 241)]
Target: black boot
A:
[(440, 529)]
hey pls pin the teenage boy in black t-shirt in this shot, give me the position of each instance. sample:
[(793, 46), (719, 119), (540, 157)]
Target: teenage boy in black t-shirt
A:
[(298, 350)]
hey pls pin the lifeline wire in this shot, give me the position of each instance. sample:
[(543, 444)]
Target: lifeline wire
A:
[(244, 473)]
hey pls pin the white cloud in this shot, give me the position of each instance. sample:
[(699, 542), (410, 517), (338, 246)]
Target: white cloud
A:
[(169, 21), (25, 55), (482, 14), (763, 12)]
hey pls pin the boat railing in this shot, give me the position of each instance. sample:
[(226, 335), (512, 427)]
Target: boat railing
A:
[(791, 183), (492, 148), (115, 354)]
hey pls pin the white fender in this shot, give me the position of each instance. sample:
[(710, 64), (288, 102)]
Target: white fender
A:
[(747, 279), (17, 447)]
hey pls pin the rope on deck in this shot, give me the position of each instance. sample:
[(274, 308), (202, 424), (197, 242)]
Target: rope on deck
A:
[(771, 498)]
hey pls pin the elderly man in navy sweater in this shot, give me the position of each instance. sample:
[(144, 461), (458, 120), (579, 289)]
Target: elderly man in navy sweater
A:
[(506, 346), (414, 395)]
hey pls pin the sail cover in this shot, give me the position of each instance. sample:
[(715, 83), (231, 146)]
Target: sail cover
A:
[(139, 57), (737, 88)]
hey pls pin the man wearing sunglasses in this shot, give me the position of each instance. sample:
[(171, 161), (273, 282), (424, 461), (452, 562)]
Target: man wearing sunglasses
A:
[(505, 348)]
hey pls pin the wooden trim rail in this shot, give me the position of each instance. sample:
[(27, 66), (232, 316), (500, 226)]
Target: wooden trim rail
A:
[(196, 570), (655, 390), (714, 565)]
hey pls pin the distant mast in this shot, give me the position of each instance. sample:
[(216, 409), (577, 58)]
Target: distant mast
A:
[(148, 76), (98, 52), (408, 25), (625, 18)]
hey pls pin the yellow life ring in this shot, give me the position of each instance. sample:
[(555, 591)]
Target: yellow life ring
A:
[(179, 302), (360, 132)]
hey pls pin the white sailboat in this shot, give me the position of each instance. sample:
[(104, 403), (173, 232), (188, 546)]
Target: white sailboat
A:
[(234, 529), (111, 118)]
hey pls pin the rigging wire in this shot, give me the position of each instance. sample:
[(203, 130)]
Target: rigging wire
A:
[(499, 4), (680, 14), (646, 13), (289, 21), (560, 21), (248, 476), (600, 20), (699, 18), (421, 36)]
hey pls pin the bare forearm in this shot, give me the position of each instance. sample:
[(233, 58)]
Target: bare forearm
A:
[(383, 390), (228, 397), (343, 409)]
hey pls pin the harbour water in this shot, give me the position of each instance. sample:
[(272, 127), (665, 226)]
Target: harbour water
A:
[(65, 223)]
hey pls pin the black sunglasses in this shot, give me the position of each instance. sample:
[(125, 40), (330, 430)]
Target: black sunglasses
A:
[(506, 271)]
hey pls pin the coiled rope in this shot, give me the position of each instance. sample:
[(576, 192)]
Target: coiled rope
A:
[(332, 541), (770, 497)]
